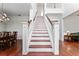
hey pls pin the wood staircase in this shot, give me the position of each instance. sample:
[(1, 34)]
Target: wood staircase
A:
[(40, 44)]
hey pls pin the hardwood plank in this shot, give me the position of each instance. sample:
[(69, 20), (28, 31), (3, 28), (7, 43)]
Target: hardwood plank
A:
[(67, 48), (12, 51)]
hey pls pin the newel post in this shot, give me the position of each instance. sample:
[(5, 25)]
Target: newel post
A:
[(56, 36), (24, 38)]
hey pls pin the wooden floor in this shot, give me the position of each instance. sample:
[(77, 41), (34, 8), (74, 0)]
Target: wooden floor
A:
[(67, 48), (13, 51)]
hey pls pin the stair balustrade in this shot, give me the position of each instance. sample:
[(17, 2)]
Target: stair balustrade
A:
[(53, 29), (27, 33), (50, 30)]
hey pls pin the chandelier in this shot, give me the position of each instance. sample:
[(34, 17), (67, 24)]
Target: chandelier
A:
[(3, 15)]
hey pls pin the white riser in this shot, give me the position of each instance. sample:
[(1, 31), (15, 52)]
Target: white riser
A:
[(39, 34), (39, 28), (40, 43), (39, 24), (41, 38), (40, 31), (40, 49)]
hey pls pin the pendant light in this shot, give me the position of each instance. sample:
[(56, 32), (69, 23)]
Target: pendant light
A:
[(4, 16)]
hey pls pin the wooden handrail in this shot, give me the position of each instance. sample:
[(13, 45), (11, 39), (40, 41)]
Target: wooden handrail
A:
[(29, 22), (49, 19)]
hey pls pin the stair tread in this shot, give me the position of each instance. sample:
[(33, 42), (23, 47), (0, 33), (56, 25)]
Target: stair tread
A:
[(40, 40), (40, 46), (40, 33), (40, 54), (40, 36), (40, 49), (40, 30), (40, 43)]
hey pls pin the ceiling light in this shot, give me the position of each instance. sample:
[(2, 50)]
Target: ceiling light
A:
[(4, 16)]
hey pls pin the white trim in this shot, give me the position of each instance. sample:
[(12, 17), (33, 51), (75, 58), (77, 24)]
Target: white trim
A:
[(25, 38), (56, 37)]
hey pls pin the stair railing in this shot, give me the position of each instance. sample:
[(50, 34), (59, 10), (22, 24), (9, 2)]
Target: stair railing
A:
[(50, 30), (53, 29), (31, 25), (27, 34)]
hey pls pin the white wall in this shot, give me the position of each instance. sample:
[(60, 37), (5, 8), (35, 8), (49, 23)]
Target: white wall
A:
[(40, 8), (71, 23), (15, 24), (33, 11), (2, 26)]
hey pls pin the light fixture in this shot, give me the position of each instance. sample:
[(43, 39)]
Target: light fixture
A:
[(3, 15)]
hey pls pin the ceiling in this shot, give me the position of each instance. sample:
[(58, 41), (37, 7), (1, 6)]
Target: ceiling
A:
[(16, 9)]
